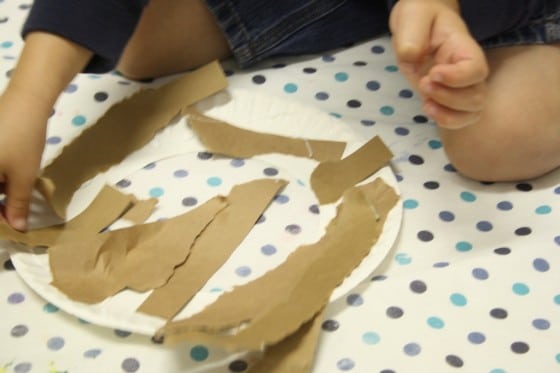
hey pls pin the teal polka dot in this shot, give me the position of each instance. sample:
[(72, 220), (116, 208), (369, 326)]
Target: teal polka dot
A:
[(214, 181), (336, 115), (543, 210), (436, 322), (391, 68), (557, 299), (463, 246), (403, 259), (79, 120), (50, 308), (468, 197), (7, 44), (341, 77), (410, 204), (558, 358), (520, 288), (216, 290), (199, 353), (156, 192), (387, 110), (290, 88), (458, 299), (434, 144), (497, 370), (371, 338)]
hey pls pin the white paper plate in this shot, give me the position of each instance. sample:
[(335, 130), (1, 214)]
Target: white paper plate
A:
[(185, 178)]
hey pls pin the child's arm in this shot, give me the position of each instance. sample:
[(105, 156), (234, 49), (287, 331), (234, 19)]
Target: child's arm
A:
[(439, 57), (46, 66)]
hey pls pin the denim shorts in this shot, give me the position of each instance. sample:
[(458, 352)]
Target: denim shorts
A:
[(258, 29)]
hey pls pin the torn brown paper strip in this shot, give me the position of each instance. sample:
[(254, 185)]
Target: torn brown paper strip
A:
[(107, 207), (125, 127), (274, 306), (246, 202), (140, 211), (140, 257), (226, 139), (330, 179), (295, 353)]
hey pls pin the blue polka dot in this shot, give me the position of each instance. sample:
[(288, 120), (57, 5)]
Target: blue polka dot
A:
[(480, 274), (54, 140), (377, 49), (484, 226), (281, 199), (237, 163), (406, 93), (268, 250), (199, 353), (243, 271), (463, 246), (410, 204), (557, 190), (341, 77), (189, 201), (214, 181), (541, 324), (412, 349), (55, 343), (293, 229), (290, 88), (328, 58), (434, 144), (180, 173), (354, 300), (446, 216), (387, 110), (345, 364), (557, 240), (468, 197), (322, 96), (149, 166), (71, 88), (504, 205), (476, 338), (371, 338), (92, 354), (16, 298), (402, 131), (458, 299), (557, 358), (520, 288), (79, 120), (373, 85), (543, 210), (156, 192), (541, 265), (435, 322)]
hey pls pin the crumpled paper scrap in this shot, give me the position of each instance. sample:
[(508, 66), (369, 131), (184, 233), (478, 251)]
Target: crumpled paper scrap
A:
[(277, 304)]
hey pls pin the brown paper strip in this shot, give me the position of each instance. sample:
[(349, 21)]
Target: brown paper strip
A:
[(140, 211), (141, 257), (275, 305), (330, 179), (294, 354), (107, 206), (124, 128), (226, 139), (211, 250)]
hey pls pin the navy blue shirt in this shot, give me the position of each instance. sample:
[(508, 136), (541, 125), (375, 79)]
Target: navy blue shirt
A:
[(104, 26)]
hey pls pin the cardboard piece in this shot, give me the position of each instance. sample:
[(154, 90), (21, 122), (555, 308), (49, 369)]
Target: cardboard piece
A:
[(270, 308), (140, 211), (228, 229), (295, 353), (107, 207), (140, 257), (223, 138), (124, 128), (330, 179)]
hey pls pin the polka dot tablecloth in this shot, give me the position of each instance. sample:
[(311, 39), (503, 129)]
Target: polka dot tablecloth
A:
[(472, 283)]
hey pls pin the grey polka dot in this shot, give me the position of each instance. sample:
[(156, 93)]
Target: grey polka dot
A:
[(519, 347), (454, 361), (418, 286), (394, 312), (130, 365), (19, 331), (330, 325)]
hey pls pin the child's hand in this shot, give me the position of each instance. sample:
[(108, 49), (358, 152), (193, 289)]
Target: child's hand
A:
[(22, 139), (438, 56)]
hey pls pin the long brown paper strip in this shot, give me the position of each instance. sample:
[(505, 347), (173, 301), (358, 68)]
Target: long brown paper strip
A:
[(268, 309), (330, 179), (141, 257), (211, 250), (107, 206), (226, 139), (124, 128)]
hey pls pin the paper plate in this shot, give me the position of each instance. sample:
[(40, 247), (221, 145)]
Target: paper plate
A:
[(188, 176)]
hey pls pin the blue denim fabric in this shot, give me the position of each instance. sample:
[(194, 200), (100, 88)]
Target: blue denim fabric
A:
[(544, 28), (260, 29)]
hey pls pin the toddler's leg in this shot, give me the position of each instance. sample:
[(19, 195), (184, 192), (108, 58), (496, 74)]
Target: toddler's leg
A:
[(518, 136), (172, 36)]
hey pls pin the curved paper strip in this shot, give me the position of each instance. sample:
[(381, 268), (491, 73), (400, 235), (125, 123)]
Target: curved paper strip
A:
[(278, 303)]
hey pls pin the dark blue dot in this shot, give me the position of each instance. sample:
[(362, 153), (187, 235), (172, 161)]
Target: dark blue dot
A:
[(238, 366), (484, 226), (446, 216), (519, 347), (418, 286), (345, 364), (53, 140), (204, 155), (314, 209), (9, 265), (416, 159), (367, 122), (189, 201), (281, 199), (149, 166), (330, 325), (502, 250), (406, 93), (353, 104), (354, 300), (71, 88), (504, 205), (55, 343), (557, 240), (480, 273), (124, 183), (449, 168), (258, 79), (268, 250), (180, 173), (524, 187), (541, 265), (270, 171), (499, 313), (122, 333), (100, 96), (402, 131), (377, 49), (373, 85), (293, 229), (322, 96), (523, 231), (309, 70), (420, 119), (92, 354), (328, 58), (432, 185), (557, 190), (394, 312), (425, 236), (454, 361)]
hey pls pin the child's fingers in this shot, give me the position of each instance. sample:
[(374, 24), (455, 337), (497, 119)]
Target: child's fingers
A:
[(448, 118), (411, 28), (470, 99), (460, 74), (18, 194)]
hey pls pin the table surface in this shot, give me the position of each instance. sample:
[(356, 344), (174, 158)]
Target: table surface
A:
[(471, 284)]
